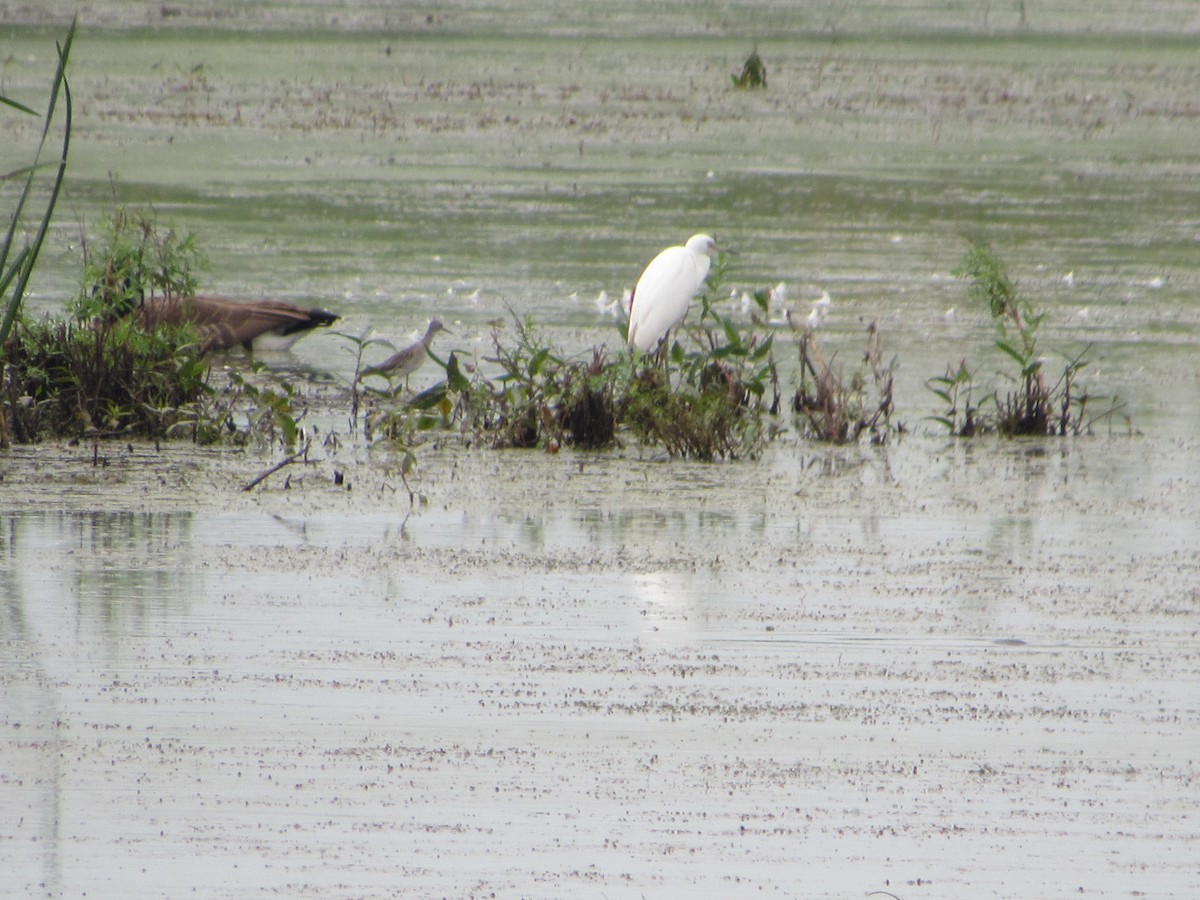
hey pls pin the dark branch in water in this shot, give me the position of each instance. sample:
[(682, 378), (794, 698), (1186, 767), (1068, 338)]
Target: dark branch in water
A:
[(299, 454)]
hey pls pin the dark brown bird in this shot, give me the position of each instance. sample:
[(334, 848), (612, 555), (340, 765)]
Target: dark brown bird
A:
[(223, 324)]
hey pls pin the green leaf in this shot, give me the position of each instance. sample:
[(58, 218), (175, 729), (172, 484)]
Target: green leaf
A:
[(7, 276), (408, 462), (289, 428), (429, 398), (731, 335), (538, 361), (1012, 351), (8, 101), (26, 269), (455, 379), (725, 351), (762, 349)]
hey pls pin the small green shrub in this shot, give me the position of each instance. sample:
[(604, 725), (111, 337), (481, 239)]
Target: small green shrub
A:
[(66, 380), (589, 417), (1032, 405), (136, 259), (962, 416), (98, 374), (705, 424), (263, 406), (522, 408), (754, 73)]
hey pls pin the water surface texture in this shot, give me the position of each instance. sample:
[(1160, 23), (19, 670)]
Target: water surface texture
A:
[(933, 669)]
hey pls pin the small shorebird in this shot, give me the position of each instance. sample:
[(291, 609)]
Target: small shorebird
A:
[(223, 324), (404, 362)]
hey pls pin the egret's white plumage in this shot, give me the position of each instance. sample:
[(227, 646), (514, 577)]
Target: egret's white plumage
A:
[(820, 310), (665, 290)]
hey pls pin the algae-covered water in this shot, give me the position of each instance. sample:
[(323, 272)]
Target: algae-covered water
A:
[(932, 669)]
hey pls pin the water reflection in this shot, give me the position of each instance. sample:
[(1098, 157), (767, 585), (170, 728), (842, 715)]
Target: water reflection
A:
[(72, 584), (546, 530), (108, 572)]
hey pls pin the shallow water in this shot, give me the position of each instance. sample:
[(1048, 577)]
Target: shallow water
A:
[(931, 669), (953, 672)]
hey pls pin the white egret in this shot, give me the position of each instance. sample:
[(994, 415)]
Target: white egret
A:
[(404, 362), (663, 293), (224, 324), (820, 309)]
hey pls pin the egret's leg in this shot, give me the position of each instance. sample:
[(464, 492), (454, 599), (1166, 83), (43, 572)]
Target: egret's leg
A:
[(660, 353)]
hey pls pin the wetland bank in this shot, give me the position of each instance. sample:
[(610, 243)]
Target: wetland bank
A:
[(934, 668)]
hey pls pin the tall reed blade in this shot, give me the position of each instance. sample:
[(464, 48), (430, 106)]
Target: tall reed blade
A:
[(21, 269)]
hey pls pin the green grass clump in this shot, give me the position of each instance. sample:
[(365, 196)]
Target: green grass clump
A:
[(63, 379), (754, 73), (97, 374), (1030, 404), (701, 424), (135, 259), (524, 405)]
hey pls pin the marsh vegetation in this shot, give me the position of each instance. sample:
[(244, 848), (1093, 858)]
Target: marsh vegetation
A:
[(934, 655), (1028, 403), (729, 385), (712, 391)]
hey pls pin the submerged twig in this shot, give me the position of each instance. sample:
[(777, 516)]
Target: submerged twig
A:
[(412, 497), (299, 454)]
